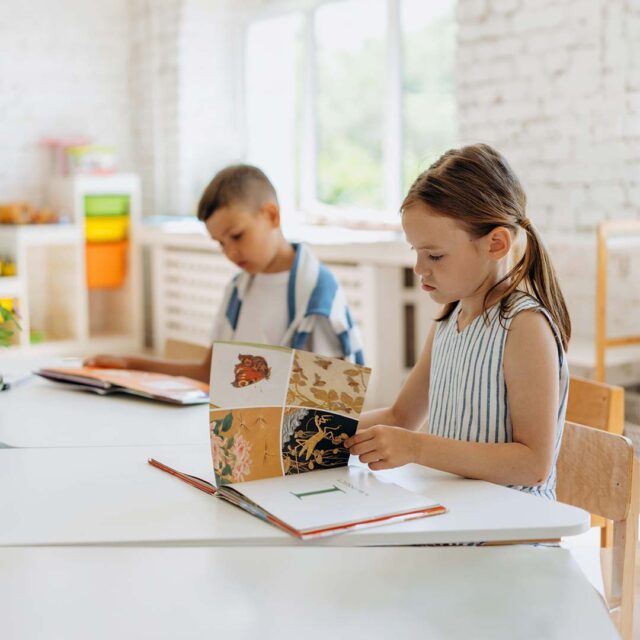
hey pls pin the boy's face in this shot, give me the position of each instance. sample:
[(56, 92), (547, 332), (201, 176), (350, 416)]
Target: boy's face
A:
[(451, 264), (248, 238)]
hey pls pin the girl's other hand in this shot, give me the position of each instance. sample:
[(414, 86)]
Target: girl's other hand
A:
[(384, 447), (107, 362)]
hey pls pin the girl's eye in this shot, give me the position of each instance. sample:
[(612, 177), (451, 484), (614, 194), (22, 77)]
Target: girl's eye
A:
[(237, 236), (435, 258)]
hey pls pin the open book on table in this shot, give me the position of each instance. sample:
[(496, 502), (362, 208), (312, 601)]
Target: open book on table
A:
[(156, 386), (276, 414)]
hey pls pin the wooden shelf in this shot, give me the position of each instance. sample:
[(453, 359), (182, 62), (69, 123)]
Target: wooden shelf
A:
[(11, 286), (43, 234)]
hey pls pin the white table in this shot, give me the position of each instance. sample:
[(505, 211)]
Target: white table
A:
[(246, 593), (110, 495), (40, 413)]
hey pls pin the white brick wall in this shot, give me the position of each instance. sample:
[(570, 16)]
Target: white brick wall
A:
[(187, 92), (554, 85), (155, 26), (64, 71)]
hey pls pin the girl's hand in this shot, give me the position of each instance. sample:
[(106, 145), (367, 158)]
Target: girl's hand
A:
[(107, 362), (384, 447)]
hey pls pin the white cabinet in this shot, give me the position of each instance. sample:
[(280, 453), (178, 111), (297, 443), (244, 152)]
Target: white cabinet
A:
[(78, 285), (189, 274)]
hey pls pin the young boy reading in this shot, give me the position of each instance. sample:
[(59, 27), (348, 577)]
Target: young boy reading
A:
[(283, 294)]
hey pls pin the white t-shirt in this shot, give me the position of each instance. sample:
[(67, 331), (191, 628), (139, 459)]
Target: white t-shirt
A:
[(264, 317)]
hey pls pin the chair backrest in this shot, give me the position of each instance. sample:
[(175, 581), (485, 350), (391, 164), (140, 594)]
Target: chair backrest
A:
[(594, 471), (182, 350), (596, 404), (606, 230), (598, 472)]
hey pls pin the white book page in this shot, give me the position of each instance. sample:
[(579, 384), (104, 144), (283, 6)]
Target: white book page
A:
[(331, 497)]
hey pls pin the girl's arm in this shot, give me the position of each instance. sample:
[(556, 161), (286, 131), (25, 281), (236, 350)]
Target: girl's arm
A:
[(197, 370), (532, 378), (410, 408)]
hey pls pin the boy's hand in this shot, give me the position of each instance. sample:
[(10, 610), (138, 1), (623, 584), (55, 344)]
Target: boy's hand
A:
[(383, 447), (107, 362)]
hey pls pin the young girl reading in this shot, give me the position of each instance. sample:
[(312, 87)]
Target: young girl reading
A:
[(493, 375)]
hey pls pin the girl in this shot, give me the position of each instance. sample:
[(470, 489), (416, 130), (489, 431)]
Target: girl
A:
[(494, 362)]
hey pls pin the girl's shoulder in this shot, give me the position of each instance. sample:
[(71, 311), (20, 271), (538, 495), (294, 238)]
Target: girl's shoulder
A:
[(520, 301), (517, 302)]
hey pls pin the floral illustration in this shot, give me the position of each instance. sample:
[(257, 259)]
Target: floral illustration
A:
[(245, 444)]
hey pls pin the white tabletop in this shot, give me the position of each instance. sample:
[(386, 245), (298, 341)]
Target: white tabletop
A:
[(445, 593), (40, 413), (110, 495)]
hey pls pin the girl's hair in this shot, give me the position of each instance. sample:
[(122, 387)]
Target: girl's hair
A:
[(476, 187)]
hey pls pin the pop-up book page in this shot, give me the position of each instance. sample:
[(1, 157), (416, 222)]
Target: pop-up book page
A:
[(276, 411)]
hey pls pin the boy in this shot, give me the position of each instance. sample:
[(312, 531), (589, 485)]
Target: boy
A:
[(283, 295)]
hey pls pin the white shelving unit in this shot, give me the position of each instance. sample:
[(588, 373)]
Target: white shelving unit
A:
[(51, 287)]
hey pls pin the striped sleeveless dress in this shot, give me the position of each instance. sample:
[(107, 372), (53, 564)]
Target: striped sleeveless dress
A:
[(467, 389)]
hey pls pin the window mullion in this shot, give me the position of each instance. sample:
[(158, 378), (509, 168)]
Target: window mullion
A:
[(392, 144), (308, 168)]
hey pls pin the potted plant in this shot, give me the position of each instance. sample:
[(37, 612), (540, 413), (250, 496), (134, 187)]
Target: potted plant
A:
[(8, 327), (8, 322)]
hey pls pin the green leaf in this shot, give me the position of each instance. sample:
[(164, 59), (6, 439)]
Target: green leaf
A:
[(226, 470), (227, 421)]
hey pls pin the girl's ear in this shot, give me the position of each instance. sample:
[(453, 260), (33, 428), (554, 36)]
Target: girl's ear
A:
[(499, 243), (272, 212)]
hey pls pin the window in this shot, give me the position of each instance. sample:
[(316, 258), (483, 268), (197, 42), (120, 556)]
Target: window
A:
[(350, 84), (428, 89), (273, 101), (348, 100)]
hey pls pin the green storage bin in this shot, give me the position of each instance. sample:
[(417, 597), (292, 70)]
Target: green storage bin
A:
[(106, 205)]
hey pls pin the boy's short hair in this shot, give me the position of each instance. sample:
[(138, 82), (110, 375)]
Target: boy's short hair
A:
[(238, 183)]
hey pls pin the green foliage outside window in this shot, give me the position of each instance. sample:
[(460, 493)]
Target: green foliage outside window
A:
[(428, 94), (350, 126), (351, 93)]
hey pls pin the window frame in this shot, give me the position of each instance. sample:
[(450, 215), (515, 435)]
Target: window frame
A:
[(308, 207)]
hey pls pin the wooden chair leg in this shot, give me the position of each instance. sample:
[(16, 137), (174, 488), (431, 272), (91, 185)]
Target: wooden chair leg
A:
[(606, 535)]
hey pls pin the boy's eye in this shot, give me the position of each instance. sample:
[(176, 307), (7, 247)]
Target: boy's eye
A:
[(237, 236), (435, 258)]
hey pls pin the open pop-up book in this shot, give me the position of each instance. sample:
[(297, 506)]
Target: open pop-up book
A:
[(276, 414)]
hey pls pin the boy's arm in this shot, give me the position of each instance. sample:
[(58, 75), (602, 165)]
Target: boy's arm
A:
[(410, 408), (532, 378), (197, 370)]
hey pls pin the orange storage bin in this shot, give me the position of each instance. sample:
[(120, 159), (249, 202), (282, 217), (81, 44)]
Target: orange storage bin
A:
[(106, 264)]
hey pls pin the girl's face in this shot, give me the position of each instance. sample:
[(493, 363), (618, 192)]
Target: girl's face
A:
[(451, 264)]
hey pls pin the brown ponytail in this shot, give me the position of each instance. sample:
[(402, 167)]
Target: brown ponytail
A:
[(476, 186)]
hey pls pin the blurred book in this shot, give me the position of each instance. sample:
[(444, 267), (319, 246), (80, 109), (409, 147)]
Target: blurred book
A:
[(155, 386)]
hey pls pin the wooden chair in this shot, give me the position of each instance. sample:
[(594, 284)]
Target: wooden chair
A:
[(607, 230), (598, 405), (598, 472), (182, 350)]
